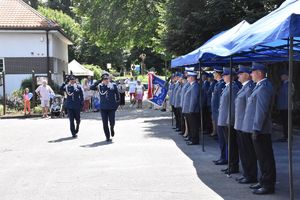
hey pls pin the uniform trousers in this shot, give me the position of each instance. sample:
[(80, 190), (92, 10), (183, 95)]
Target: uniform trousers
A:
[(284, 122), (265, 156), (207, 123), (182, 122), (74, 114), (247, 155), (221, 139), (233, 147), (177, 117), (193, 121), (108, 115)]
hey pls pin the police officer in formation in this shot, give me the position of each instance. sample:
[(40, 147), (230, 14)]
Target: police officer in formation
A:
[(257, 121), (215, 103), (185, 86), (205, 87), (223, 122), (191, 108), (250, 127), (246, 148), (282, 103), (177, 103), (109, 102), (172, 90), (176, 100), (212, 83), (74, 102)]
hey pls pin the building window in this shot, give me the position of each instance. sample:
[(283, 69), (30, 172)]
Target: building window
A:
[(1, 64)]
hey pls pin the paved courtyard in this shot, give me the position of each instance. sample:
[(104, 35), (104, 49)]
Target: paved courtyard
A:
[(146, 161)]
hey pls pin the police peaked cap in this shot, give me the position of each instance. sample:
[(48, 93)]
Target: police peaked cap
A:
[(226, 71), (105, 76), (192, 74), (258, 66), (244, 69), (72, 77), (218, 69)]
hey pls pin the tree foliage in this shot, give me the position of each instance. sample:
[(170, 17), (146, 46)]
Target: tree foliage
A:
[(191, 23), (114, 24), (118, 31)]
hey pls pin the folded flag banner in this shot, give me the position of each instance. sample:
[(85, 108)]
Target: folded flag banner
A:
[(157, 91)]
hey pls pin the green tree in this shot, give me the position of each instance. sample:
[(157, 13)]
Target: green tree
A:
[(32, 3), (116, 24), (72, 28)]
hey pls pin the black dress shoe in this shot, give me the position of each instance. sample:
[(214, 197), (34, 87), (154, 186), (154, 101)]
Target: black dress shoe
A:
[(221, 162), (239, 178), (215, 161), (74, 136), (255, 186), (178, 130), (224, 170), (264, 190), (187, 139), (192, 143), (108, 140), (247, 181), (232, 170)]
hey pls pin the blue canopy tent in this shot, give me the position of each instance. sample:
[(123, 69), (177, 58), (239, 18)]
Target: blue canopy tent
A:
[(273, 38), (213, 45)]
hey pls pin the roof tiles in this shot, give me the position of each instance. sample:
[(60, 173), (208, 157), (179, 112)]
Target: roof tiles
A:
[(16, 14)]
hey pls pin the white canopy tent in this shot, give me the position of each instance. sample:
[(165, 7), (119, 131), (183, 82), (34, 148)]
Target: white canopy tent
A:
[(78, 69)]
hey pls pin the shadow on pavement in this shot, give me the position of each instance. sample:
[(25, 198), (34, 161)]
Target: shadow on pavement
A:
[(62, 139), (211, 175), (96, 144)]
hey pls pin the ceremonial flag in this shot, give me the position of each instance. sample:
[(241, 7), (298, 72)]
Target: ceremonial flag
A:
[(157, 91)]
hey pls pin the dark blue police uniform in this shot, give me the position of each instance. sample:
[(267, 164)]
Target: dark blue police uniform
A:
[(73, 104), (109, 102)]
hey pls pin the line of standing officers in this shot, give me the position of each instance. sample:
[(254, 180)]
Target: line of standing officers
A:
[(250, 124)]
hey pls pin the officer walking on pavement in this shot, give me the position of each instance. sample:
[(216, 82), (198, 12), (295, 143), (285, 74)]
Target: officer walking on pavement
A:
[(74, 102), (257, 121), (223, 122), (109, 102), (246, 148), (215, 103)]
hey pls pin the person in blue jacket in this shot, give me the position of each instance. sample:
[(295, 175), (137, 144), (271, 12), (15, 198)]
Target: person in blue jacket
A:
[(193, 108), (109, 102), (282, 104), (212, 83), (246, 148), (215, 103), (74, 102), (223, 122), (257, 121)]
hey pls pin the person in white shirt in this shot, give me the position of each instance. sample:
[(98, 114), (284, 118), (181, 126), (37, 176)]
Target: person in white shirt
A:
[(132, 87), (139, 94), (44, 92)]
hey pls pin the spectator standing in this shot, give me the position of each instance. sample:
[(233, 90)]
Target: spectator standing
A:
[(122, 91), (132, 87), (87, 95), (26, 98), (139, 94), (44, 92)]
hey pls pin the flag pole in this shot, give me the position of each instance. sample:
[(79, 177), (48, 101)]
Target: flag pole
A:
[(290, 118)]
